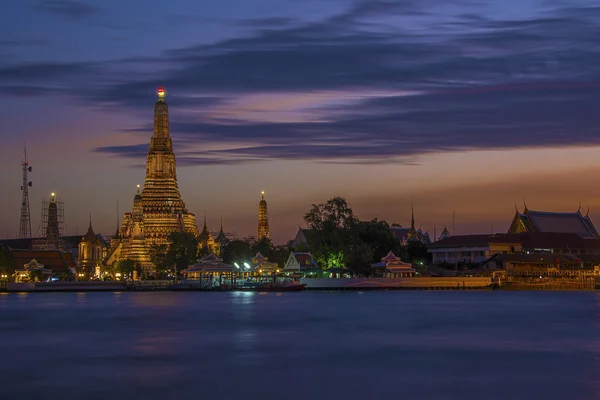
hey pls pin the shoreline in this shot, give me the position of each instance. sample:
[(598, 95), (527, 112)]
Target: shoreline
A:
[(316, 284)]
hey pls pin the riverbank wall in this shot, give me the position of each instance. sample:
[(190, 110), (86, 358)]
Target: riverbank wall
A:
[(422, 283), (86, 286)]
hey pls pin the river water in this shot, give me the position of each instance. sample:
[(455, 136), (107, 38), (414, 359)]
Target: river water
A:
[(307, 345)]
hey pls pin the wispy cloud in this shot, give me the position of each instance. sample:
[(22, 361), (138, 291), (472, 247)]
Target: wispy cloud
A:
[(70, 9)]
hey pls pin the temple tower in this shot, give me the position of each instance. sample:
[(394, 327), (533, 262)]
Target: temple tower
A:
[(160, 196), (158, 209), (90, 252), (413, 235), (263, 219), (52, 227)]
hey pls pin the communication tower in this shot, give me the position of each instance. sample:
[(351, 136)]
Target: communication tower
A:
[(25, 228)]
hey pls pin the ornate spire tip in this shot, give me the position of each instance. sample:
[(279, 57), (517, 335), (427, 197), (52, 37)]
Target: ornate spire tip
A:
[(161, 92)]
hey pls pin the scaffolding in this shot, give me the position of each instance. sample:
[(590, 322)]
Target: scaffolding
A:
[(25, 226), (52, 227)]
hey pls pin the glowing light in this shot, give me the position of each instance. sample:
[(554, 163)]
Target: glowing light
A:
[(236, 265), (161, 92), (246, 265), (52, 194), (263, 192)]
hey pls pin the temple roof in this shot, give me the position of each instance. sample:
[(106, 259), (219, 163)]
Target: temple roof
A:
[(53, 259), (259, 257), (402, 234), (482, 240), (210, 258), (390, 257), (528, 240), (392, 262), (90, 236), (304, 258), (554, 222), (221, 236)]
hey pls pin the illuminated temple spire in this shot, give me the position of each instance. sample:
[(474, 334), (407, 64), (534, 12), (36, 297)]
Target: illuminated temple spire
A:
[(159, 209), (263, 219), (52, 231)]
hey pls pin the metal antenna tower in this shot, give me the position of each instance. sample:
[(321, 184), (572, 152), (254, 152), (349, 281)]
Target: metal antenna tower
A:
[(25, 228)]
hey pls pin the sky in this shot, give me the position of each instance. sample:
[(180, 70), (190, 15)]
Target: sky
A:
[(470, 107)]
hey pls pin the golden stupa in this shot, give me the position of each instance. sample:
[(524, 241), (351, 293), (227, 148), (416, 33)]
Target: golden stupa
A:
[(158, 210)]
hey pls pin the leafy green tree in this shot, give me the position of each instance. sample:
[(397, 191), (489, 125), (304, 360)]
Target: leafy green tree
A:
[(332, 226)]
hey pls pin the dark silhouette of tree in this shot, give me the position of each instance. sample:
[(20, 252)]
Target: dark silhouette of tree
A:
[(125, 267), (359, 258), (333, 214), (7, 260), (378, 235), (36, 275), (263, 246), (158, 256), (183, 249), (237, 251)]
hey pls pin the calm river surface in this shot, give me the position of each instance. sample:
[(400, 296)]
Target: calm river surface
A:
[(308, 345)]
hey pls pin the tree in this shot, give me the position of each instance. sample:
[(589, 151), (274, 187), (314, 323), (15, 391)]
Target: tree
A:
[(279, 255), (378, 235), (358, 258), (183, 249), (334, 214), (158, 256), (332, 227), (417, 252), (36, 275), (302, 248), (125, 267), (237, 251), (263, 246), (7, 260)]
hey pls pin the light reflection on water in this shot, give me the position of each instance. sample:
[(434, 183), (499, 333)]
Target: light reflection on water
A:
[(424, 345)]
